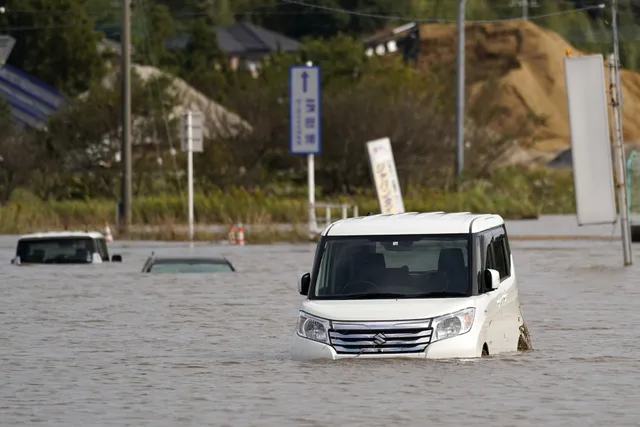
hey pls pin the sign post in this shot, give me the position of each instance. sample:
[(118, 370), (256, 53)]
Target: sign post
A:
[(305, 129), (191, 140)]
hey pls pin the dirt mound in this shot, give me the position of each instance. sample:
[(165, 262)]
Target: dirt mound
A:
[(528, 62)]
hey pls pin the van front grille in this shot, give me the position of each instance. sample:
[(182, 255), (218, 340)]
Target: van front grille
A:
[(380, 337)]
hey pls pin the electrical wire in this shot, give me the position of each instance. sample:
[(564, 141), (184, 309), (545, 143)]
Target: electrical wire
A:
[(163, 111), (436, 20), (270, 9), (142, 18), (319, 9)]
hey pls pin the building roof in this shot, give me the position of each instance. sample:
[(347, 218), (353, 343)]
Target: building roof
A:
[(62, 235), (428, 223), (242, 38), (32, 101), (249, 37)]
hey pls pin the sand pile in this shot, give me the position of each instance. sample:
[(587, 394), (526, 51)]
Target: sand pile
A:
[(528, 62)]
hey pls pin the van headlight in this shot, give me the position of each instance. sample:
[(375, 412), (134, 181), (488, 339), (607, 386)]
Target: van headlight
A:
[(454, 324), (313, 328)]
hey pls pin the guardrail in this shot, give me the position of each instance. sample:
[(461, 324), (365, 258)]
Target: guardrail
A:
[(317, 224)]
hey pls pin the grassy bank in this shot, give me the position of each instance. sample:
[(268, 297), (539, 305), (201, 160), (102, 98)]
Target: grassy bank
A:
[(511, 193), (261, 236)]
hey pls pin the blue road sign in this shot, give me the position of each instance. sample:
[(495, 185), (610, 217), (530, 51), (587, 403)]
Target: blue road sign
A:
[(304, 110)]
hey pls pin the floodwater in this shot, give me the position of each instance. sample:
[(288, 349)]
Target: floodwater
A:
[(105, 345)]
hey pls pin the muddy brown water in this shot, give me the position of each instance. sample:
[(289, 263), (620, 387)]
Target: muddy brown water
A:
[(106, 345)]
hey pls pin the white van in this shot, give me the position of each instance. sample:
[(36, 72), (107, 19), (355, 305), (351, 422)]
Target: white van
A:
[(417, 285), (63, 247)]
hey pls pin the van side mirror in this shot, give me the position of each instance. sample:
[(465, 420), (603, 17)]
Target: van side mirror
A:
[(116, 258), (303, 284), (16, 261), (492, 278)]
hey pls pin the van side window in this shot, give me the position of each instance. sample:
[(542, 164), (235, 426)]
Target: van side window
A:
[(500, 257), (507, 249), (102, 249), (489, 263)]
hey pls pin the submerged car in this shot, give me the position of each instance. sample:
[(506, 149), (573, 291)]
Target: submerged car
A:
[(156, 264), (415, 285), (63, 247)]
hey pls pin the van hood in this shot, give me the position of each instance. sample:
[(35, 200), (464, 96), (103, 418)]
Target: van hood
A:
[(385, 309)]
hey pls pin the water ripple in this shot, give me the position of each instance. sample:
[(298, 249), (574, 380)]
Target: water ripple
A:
[(106, 345)]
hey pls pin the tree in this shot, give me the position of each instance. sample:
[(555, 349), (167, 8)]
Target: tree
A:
[(60, 46), (83, 142), (152, 26), (18, 154), (202, 63)]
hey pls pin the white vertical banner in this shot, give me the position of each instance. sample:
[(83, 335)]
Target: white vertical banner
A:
[(385, 177), (191, 137), (590, 139)]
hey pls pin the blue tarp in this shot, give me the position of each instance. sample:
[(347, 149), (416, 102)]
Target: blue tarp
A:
[(31, 101)]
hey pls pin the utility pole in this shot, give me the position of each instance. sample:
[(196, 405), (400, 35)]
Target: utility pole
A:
[(125, 40), (615, 93), (525, 4), (461, 88)]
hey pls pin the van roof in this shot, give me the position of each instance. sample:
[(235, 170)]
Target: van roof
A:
[(63, 234), (433, 223)]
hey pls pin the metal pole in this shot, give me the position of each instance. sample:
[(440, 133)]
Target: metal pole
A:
[(125, 157), (190, 172), (311, 181), (616, 52), (619, 152), (461, 88), (616, 103), (619, 155), (525, 9)]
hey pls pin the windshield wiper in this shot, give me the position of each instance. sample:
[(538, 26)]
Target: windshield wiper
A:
[(373, 295), (441, 294), (391, 295)]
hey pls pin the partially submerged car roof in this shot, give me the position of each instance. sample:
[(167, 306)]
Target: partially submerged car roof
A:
[(155, 260), (62, 235), (177, 259)]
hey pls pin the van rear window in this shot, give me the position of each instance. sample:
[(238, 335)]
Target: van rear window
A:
[(56, 250)]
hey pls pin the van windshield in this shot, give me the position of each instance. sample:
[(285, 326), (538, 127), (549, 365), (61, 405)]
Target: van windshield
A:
[(63, 250), (394, 267)]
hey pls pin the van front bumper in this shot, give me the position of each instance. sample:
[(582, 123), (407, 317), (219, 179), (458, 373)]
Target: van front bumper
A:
[(463, 346)]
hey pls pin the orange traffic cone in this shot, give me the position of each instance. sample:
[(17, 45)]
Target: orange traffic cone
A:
[(108, 237), (240, 235), (232, 234)]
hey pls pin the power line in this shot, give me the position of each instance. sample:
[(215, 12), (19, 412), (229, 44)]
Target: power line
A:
[(163, 112), (435, 20), (319, 10), (271, 10)]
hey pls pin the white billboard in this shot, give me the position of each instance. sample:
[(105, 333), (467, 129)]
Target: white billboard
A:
[(385, 177), (590, 139)]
